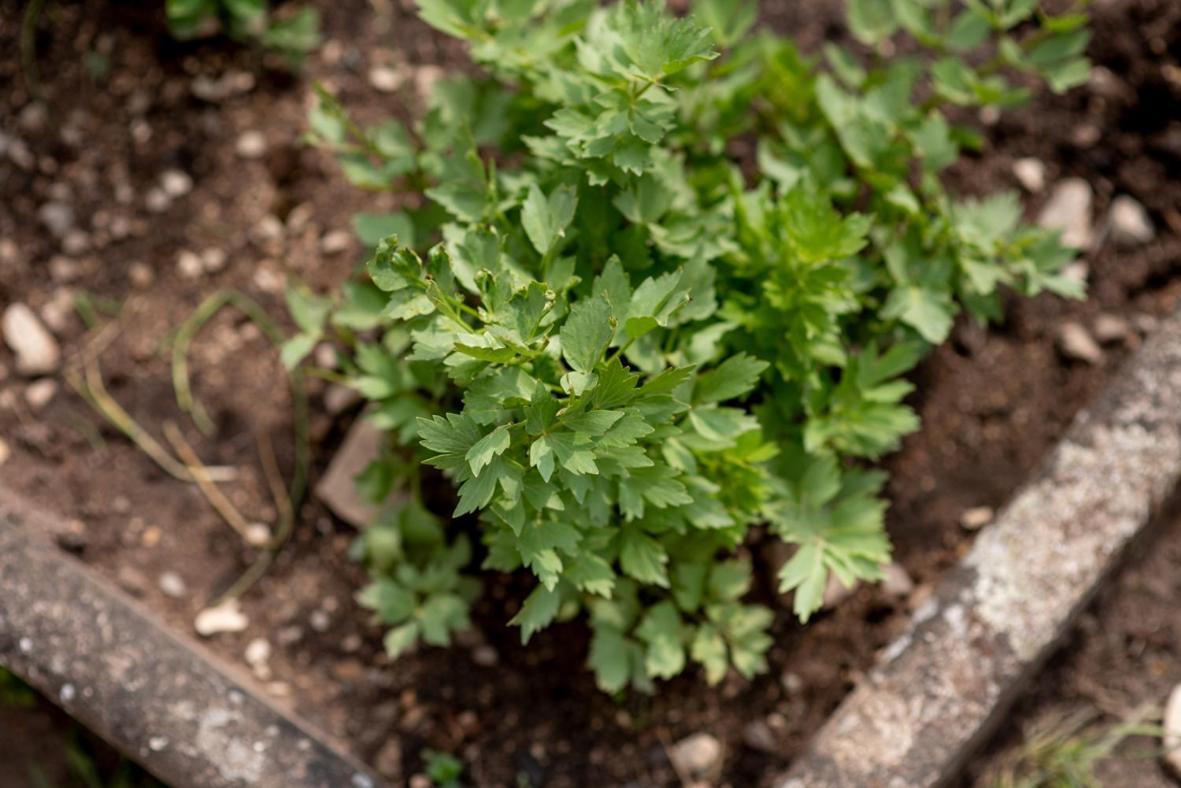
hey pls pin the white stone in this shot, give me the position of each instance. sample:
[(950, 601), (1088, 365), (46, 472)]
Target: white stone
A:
[(226, 617), (37, 352), (189, 264), (385, 79), (39, 393), (176, 183), (173, 585), (1030, 173), (1069, 211), (335, 242), (976, 518), (1171, 723), (1076, 343), (1129, 223), (258, 651), (1110, 328), (698, 756), (251, 144), (213, 260)]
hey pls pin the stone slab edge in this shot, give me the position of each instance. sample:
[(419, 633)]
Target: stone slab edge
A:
[(937, 692), (118, 669)]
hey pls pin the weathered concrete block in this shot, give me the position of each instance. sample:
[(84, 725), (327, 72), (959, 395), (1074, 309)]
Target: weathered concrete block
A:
[(938, 690), (118, 670)]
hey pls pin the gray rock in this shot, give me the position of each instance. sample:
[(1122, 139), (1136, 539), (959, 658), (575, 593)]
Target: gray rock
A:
[(1171, 722), (698, 756), (58, 218), (337, 489), (1129, 223), (1069, 211), (37, 352), (1031, 174)]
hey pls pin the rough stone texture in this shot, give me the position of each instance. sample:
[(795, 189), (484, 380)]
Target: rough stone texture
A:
[(939, 689), (114, 667), (337, 487)]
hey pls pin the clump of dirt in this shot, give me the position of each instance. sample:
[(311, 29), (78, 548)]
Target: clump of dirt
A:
[(125, 108)]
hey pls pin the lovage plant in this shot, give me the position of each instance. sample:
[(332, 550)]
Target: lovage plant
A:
[(660, 282)]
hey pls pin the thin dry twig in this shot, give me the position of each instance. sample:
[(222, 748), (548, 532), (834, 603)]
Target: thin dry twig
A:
[(200, 476)]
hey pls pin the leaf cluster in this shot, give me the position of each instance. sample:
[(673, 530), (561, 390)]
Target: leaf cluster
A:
[(666, 284)]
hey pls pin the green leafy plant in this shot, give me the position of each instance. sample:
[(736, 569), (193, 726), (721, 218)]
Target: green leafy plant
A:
[(292, 36), (664, 285)]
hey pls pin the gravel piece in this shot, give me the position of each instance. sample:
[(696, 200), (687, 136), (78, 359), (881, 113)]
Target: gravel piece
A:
[(1069, 210), (37, 352)]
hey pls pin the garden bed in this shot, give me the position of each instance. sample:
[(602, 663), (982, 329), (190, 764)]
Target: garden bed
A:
[(139, 106)]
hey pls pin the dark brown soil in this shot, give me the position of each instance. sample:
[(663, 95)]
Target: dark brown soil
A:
[(992, 401)]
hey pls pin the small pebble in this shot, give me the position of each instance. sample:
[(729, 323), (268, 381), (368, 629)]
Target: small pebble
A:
[(173, 585), (1076, 343), (335, 241), (258, 652), (699, 756), (213, 260), (64, 269), (257, 534), (1031, 174), (76, 242), (226, 617), (1069, 211), (385, 79), (157, 200), (976, 518), (37, 352), (251, 144), (485, 656), (189, 264), (141, 275), (58, 217), (1109, 328), (1129, 223), (39, 393), (176, 183), (1171, 723), (320, 620)]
